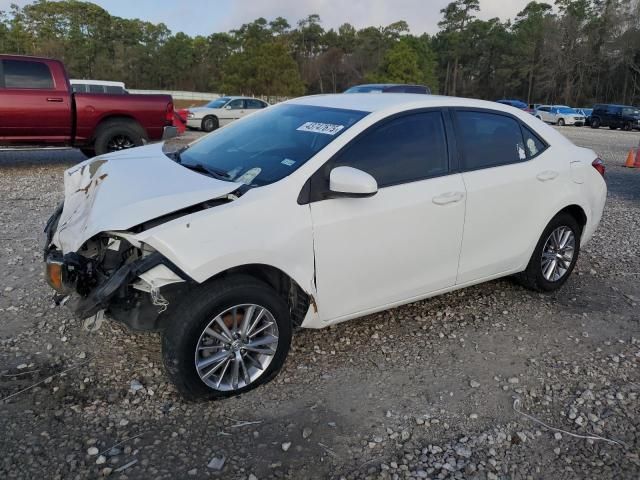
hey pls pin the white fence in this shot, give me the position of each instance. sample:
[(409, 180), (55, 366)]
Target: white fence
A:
[(181, 95), (201, 96)]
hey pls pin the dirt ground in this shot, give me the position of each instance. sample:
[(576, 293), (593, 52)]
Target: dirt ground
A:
[(421, 391)]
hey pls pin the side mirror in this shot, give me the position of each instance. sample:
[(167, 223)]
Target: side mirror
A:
[(351, 182)]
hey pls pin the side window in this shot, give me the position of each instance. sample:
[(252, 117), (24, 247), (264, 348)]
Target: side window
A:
[(27, 75), (93, 88), (532, 143), (79, 88), (237, 104), (253, 104), (114, 90), (489, 140), (405, 149)]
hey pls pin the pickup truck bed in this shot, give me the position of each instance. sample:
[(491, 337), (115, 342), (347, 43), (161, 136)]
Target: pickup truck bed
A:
[(38, 107)]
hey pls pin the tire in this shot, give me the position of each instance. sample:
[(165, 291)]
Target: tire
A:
[(561, 122), (88, 152), (210, 123), (627, 127), (595, 123), (533, 277), (185, 331), (118, 134)]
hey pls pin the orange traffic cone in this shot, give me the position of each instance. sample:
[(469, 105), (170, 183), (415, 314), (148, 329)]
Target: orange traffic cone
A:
[(637, 162), (631, 163)]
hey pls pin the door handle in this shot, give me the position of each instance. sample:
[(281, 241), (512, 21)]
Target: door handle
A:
[(55, 99), (547, 175), (448, 198)]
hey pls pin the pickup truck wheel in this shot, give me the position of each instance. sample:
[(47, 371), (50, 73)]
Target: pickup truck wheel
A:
[(115, 135), (210, 123), (225, 338)]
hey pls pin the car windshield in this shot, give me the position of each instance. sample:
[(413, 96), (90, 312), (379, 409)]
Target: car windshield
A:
[(268, 146), (365, 89), (631, 111), (566, 110), (218, 103)]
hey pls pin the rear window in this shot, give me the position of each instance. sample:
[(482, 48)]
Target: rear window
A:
[(114, 90), (26, 74), (489, 140)]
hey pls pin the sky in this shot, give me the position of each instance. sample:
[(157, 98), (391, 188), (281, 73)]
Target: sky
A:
[(203, 17)]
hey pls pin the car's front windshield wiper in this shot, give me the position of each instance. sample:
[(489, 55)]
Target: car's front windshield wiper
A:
[(212, 172)]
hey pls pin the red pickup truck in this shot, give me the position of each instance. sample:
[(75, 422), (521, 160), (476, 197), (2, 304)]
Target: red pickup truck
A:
[(38, 107)]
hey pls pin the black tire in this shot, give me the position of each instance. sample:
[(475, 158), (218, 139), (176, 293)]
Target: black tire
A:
[(210, 123), (561, 122), (595, 123), (628, 126), (118, 134), (533, 278), (88, 152), (187, 320)]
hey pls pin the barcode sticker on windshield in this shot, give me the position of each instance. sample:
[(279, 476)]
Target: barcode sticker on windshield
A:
[(315, 127)]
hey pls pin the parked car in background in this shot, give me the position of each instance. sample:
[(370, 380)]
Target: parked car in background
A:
[(615, 116), (97, 86), (221, 111), (312, 212), (560, 115), (37, 107), (587, 114), (389, 88), (519, 104)]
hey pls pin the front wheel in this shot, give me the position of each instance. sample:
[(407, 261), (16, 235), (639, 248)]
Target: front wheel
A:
[(595, 123), (561, 122), (555, 255), (209, 124), (628, 126), (226, 338)]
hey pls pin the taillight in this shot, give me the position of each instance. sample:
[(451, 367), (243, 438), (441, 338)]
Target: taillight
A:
[(598, 164), (169, 114)]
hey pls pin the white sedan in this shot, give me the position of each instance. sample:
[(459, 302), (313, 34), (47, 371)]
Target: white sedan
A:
[(560, 115), (221, 111), (315, 211)]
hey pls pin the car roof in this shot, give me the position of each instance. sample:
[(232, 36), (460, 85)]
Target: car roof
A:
[(373, 102)]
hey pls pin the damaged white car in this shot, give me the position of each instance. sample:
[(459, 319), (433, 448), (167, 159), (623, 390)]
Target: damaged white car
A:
[(312, 212)]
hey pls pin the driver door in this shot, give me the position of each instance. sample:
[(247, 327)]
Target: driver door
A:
[(233, 111), (402, 243)]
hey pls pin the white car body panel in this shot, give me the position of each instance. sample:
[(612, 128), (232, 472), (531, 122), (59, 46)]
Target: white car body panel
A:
[(112, 193), (352, 255)]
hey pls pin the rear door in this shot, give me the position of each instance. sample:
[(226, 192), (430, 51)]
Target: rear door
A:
[(253, 105), (34, 108), (510, 179), (401, 243)]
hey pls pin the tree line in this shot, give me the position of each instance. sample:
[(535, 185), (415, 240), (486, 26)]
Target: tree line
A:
[(572, 52)]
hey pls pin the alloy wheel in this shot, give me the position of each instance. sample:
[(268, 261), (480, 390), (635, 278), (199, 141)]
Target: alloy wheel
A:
[(236, 347), (119, 142), (557, 253)]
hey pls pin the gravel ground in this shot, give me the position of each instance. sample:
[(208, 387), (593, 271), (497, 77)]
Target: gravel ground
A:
[(452, 387)]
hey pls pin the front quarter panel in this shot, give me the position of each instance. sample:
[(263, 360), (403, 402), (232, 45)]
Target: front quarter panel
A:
[(264, 226)]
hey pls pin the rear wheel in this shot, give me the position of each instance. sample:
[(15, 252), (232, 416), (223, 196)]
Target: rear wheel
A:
[(555, 255), (210, 123), (115, 135), (226, 338), (595, 123), (561, 122)]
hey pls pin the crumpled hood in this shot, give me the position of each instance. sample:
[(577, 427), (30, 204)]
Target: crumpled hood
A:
[(120, 190)]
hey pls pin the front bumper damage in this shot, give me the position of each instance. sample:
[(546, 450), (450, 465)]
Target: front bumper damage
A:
[(135, 290)]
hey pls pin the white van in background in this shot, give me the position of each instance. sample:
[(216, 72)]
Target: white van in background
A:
[(98, 86)]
